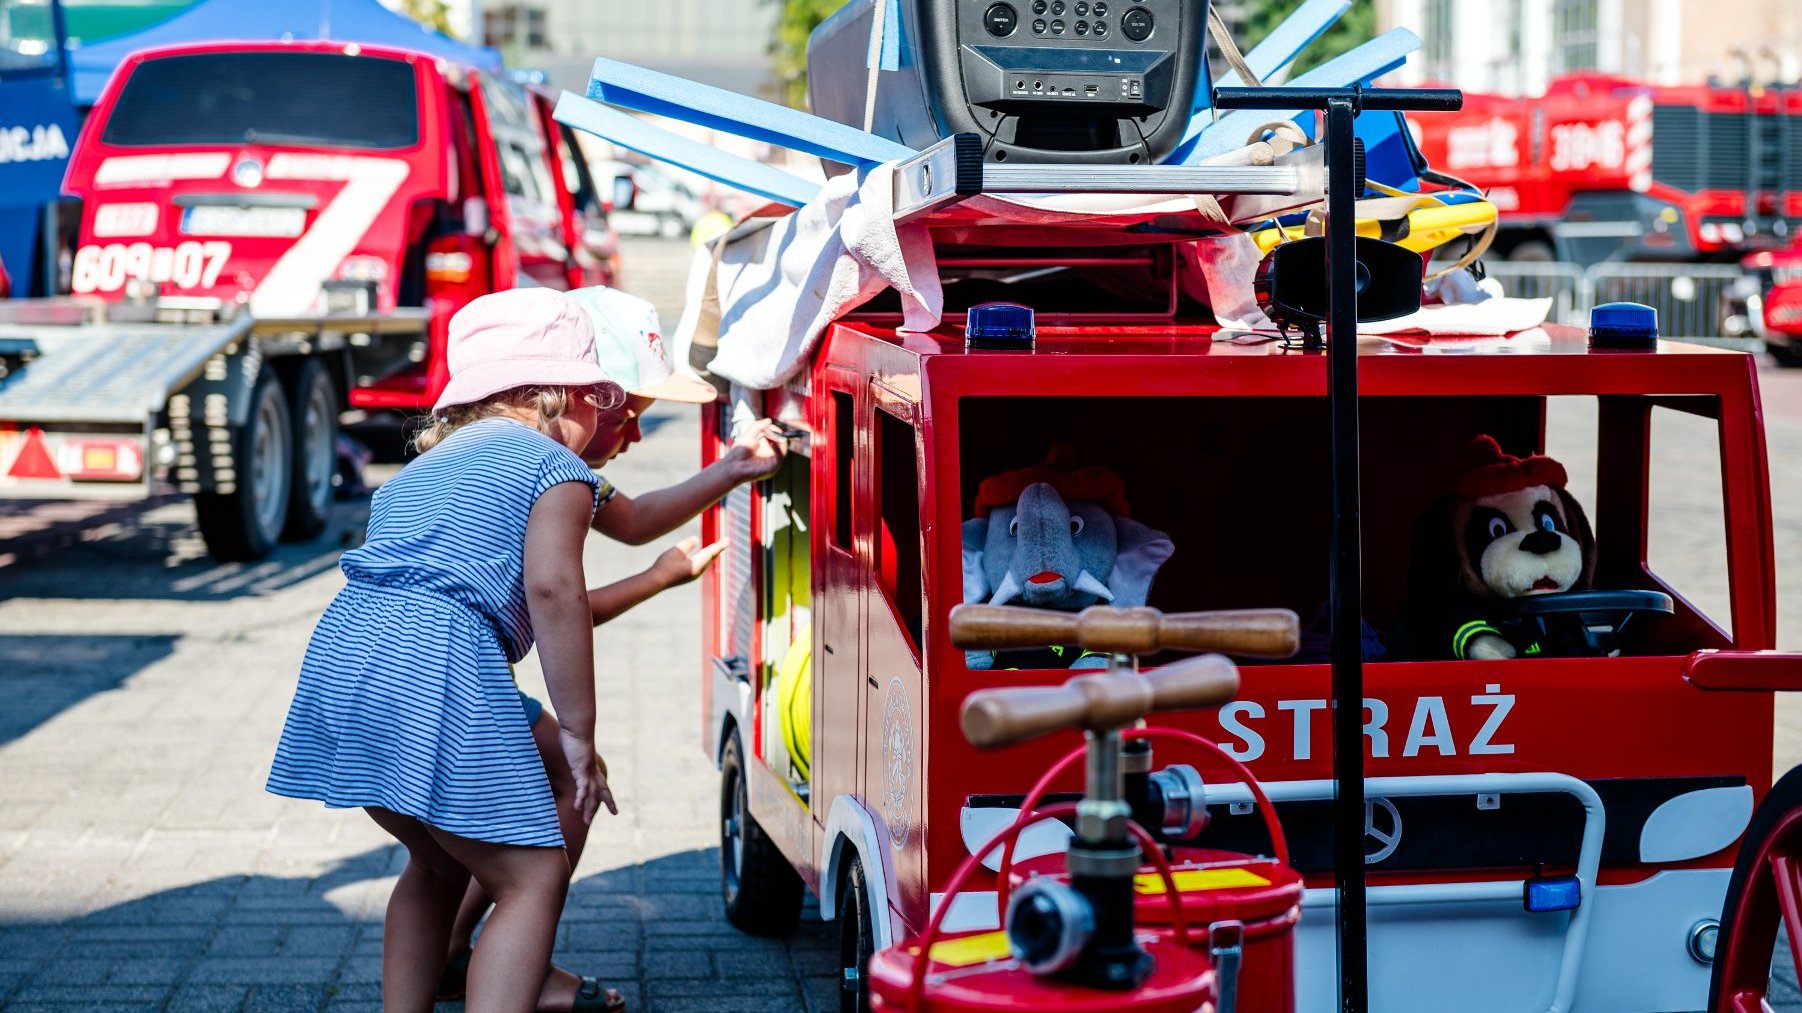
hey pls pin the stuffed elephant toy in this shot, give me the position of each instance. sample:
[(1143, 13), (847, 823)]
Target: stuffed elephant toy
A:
[(1057, 550)]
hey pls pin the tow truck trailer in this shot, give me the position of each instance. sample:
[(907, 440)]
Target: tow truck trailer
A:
[(251, 263)]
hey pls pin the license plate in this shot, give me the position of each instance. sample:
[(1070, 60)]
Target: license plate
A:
[(219, 220)]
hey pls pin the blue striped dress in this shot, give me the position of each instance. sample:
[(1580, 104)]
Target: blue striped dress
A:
[(406, 701)]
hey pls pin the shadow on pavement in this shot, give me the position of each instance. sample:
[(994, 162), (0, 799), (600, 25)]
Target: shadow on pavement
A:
[(231, 943), (42, 676), (150, 550), (653, 930)]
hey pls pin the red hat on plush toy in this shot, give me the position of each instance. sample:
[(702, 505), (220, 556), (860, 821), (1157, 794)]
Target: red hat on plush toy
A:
[(1075, 485), (1490, 471)]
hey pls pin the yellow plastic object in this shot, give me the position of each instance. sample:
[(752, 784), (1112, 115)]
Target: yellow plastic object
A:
[(977, 949), (794, 700), (1430, 226), (1198, 880)]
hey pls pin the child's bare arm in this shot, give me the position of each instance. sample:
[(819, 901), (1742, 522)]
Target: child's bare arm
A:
[(558, 604), (637, 520), (678, 564)]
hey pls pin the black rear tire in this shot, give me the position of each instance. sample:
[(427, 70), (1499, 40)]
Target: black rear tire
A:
[(1532, 251), (1788, 354), (315, 457), (856, 941), (243, 524), (762, 891)]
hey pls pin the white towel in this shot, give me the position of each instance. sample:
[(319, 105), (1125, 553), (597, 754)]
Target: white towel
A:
[(1489, 318), (781, 286)]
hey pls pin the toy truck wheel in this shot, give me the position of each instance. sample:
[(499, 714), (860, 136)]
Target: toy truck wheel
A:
[(762, 891), (243, 523), (1764, 894), (315, 454), (856, 941)]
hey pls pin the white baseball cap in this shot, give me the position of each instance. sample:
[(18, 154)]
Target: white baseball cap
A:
[(628, 344)]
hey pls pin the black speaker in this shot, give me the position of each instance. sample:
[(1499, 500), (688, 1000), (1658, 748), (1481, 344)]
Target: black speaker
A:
[(1290, 284), (1094, 81)]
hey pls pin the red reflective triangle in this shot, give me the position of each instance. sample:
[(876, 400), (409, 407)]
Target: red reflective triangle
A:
[(34, 460)]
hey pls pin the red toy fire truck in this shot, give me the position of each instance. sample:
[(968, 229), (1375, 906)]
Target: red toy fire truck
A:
[(1607, 168), (1557, 830), (233, 217)]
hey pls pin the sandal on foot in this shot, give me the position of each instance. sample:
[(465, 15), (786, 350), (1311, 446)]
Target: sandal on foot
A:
[(454, 982), (592, 998)]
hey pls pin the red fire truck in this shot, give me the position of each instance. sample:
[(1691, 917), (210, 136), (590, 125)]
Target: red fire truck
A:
[(1777, 275), (272, 233), (1607, 168)]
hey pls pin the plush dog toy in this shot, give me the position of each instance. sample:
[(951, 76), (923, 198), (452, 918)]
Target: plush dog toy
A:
[(1506, 530), (1057, 537)]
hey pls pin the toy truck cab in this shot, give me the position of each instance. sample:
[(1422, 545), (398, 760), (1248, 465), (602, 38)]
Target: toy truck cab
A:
[(833, 689), (304, 178)]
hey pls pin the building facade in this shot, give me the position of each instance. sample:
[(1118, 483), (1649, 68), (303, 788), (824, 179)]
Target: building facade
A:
[(718, 42), (1515, 46)]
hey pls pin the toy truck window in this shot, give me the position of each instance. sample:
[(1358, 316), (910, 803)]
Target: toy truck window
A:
[(843, 442), (1238, 485), (898, 545), (268, 97), (1686, 523)]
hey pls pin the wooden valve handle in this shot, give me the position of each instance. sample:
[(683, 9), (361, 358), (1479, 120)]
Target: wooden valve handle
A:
[(1193, 683), (1001, 717), (1245, 633), (1257, 633)]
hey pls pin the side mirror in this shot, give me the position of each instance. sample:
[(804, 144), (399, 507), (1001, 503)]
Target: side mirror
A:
[(625, 192), (1290, 284)]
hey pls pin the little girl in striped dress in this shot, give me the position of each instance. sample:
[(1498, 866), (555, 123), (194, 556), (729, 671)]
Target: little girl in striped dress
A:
[(406, 707)]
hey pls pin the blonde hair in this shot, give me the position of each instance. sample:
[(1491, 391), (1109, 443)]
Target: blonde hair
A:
[(549, 404)]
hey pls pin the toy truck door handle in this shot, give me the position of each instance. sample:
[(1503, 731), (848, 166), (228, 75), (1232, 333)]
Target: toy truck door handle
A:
[(1755, 671), (1247, 633), (993, 718)]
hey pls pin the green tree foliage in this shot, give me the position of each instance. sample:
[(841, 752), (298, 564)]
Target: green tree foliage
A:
[(789, 48), (431, 13), (1356, 26)]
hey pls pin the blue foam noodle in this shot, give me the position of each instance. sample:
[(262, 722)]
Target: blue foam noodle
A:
[(653, 141), (1373, 59), (1276, 50), (728, 112), (885, 52)]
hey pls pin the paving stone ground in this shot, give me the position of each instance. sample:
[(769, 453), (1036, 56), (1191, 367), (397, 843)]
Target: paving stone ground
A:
[(142, 867)]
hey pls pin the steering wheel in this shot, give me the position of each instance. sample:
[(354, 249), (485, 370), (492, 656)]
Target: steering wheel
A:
[(1588, 623)]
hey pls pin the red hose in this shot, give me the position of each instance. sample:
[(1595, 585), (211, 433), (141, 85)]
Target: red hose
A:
[(1278, 842), (916, 995)]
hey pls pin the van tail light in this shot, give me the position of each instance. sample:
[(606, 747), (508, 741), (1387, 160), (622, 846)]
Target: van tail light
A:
[(456, 266)]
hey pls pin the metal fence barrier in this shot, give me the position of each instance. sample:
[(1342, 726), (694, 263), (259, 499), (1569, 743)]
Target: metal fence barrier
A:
[(1701, 303)]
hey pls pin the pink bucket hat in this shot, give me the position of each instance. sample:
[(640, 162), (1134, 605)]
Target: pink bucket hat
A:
[(521, 337)]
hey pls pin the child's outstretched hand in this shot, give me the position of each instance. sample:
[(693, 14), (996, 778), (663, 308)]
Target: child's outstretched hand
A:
[(686, 560), (590, 773), (759, 450)]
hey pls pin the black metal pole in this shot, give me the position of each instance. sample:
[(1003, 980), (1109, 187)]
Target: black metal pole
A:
[(1346, 575), (1347, 588)]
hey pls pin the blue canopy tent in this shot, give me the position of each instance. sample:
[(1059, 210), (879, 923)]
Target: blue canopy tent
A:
[(364, 21)]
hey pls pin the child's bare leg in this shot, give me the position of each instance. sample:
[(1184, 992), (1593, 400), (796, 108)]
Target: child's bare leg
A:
[(413, 934), (559, 985), (528, 886)]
